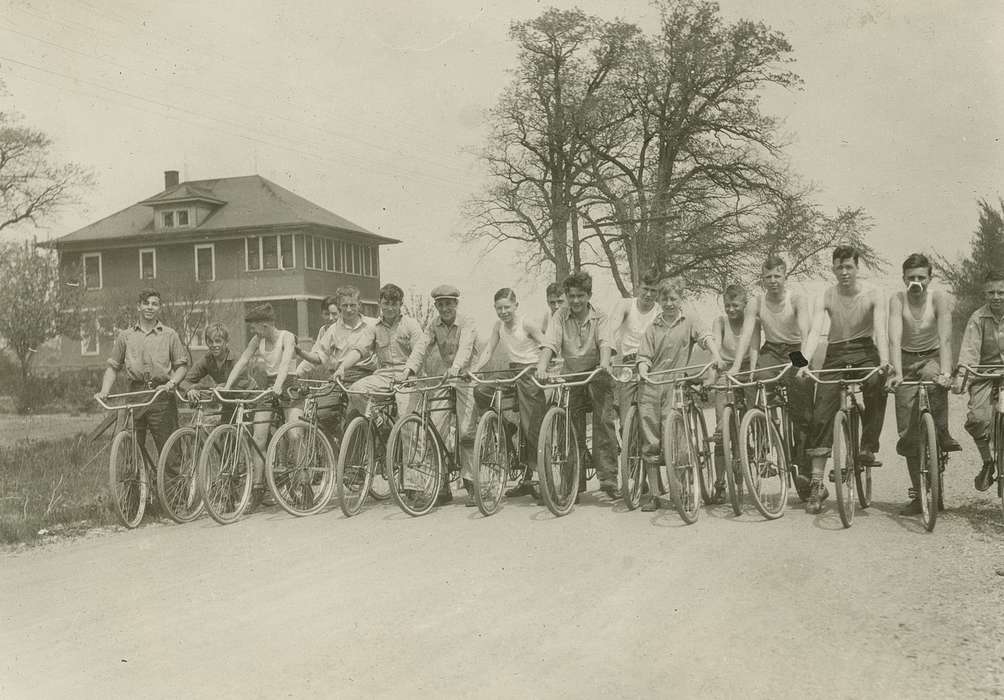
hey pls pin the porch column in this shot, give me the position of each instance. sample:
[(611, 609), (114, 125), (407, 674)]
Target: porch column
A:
[(302, 326)]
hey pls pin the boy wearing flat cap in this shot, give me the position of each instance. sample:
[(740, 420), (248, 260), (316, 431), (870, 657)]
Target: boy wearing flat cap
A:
[(450, 343)]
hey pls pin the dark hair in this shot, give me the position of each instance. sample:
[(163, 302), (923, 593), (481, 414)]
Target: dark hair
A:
[(994, 276), (553, 290), (263, 313), (773, 261), (846, 252), (346, 291), (391, 293), (917, 260), (505, 293), (145, 294), (328, 301), (216, 330), (651, 277), (578, 280), (734, 291)]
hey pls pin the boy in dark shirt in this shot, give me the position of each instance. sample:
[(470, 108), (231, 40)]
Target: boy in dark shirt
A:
[(216, 364)]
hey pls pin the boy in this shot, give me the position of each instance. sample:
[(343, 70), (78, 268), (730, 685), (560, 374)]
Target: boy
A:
[(920, 337), (666, 344), (856, 313), (628, 321), (981, 345), (555, 299), (578, 334), (215, 365), (153, 358)]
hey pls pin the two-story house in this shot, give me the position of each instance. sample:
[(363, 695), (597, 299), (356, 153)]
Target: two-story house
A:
[(246, 238)]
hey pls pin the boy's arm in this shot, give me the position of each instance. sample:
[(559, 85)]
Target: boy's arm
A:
[(551, 345), (896, 339), (810, 343), (115, 362), (943, 310), (465, 349), (646, 350), (288, 347), (419, 349), (754, 346), (489, 350), (717, 329), (881, 325), (750, 324), (195, 374), (179, 361), (804, 318), (242, 361)]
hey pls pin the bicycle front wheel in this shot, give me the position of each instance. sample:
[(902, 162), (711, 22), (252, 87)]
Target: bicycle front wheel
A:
[(415, 466), (928, 483), (697, 433), (492, 468), (681, 467), (559, 463), (765, 468), (127, 478), (632, 464), (177, 470), (300, 468), (998, 452), (225, 474), (844, 458), (733, 463), (356, 460)]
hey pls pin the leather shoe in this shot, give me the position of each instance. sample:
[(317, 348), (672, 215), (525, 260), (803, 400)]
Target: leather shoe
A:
[(985, 479), (868, 459), (443, 498), (950, 445), (912, 508), (651, 504), (610, 490), (523, 488)]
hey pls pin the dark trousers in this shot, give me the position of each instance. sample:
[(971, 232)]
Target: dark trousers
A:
[(331, 408), (800, 394), (853, 353), (925, 366), (531, 402), (159, 418), (597, 396)]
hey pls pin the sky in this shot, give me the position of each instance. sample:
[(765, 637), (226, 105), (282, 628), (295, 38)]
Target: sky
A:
[(372, 110)]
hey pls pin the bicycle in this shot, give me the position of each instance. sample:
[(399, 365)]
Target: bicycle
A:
[(178, 466), (993, 373), (226, 467), (416, 452), (300, 459), (681, 468), (130, 467), (559, 464), (846, 442), (931, 481), (361, 467), (496, 463), (766, 441)]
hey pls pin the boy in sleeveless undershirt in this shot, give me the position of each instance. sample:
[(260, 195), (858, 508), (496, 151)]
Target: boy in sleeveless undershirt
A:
[(857, 313), (628, 322), (920, 337)]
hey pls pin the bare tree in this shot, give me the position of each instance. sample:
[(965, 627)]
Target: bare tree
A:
[(419, 307)]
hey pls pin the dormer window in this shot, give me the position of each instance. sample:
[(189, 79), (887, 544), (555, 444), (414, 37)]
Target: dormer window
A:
[(174, 218)]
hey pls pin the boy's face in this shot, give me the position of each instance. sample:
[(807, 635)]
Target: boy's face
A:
[(671, 301), (325, 316), (554, 301), (993, 292), (772, 279), (332, 311), (447, 309), (348, 307), (389, 310), (735, 307), (505, 308), (149, 308), (916, 280), (845, 271), (260, 328), (217, 345), (648, 294), (578, 299)]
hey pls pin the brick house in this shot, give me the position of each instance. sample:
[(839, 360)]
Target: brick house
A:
[(246, 238)]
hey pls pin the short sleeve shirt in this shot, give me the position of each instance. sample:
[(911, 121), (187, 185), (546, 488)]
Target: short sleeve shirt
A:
[(578, 344), (393, 343), (668, 345), (339, 339), (148, 356)]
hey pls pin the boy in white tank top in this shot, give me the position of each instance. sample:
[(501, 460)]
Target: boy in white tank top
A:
[(920, 336), (628, 322)]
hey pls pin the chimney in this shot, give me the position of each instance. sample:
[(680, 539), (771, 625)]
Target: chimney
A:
[(170, 179)]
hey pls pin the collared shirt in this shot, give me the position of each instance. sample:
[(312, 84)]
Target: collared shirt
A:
[(983, 339), (667, 345), (340, 338), (578, 344), (455, 342), (216, 369), (148, 356), (391, 343)]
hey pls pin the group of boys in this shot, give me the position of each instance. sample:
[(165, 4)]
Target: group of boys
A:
[(908, 337)]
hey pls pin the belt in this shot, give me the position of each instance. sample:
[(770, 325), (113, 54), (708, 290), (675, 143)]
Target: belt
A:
[(633, 357), (151, 384)]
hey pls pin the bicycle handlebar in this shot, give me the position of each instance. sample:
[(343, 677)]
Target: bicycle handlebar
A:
[(979, 371), (257, 395), (677, 370), (767, 380), (872, 371), (204, 396), (312, 387), (408, 386), (139, 404), (499, 380), (371, 392), (561, 379)]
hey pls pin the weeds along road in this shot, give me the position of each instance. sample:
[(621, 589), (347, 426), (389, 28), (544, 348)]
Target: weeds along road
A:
[(602, 603)]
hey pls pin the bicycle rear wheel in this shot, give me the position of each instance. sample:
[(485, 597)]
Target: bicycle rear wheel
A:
[(998, 451), (765, 468), (226, 471), (844, 458), (697, 433), (928, 483), (415, 466), (127, 478), (492, 467), (733, 463), (356, 463), (558, 462), (300, 468), (631, 463), (862, 472), (177, 470), (681, 467)]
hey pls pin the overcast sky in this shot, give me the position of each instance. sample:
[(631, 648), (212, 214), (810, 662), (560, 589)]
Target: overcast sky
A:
[(367, 110)]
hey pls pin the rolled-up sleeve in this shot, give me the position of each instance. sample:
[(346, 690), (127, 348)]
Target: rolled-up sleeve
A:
[(604, 331), (420, 339), (195, 373), (699, 333), (177, 353), (465, 348), (364, 343), (555, 334), (117, 358), (969, 352)]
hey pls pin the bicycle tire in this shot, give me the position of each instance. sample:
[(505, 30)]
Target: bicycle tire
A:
[(414, 459), (632, 465), (733, 463), (862, 472), (929, 488), (356, 464), (302, 485), (559, 464), (998, 453), (844, 458), (764, 463), (127, 478), (491, 468), (226, 472), (681, 467), (179, 493), (697, 431)]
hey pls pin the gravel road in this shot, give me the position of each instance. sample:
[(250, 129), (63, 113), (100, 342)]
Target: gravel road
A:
[(602, 603)]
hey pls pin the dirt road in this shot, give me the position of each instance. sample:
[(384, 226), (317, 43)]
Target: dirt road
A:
[(602, 603)]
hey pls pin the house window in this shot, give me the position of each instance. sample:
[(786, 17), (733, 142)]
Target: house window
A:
[(269, 253), (183, 217), (174, 218), (92, 270), (205, 262), (331, 260), (90, 334), (308, 252), (147, 264), (167, 218), (370, 308)]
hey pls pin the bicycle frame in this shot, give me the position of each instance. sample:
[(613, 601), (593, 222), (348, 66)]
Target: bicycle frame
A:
[(994, 373), (425, 409), (499, 385), (563, 384), (239, 418), (130, 420)]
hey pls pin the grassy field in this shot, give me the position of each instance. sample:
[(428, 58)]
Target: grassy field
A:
[(14, 429)]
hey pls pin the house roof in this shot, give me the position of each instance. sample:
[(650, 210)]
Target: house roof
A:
[(240, 203)]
